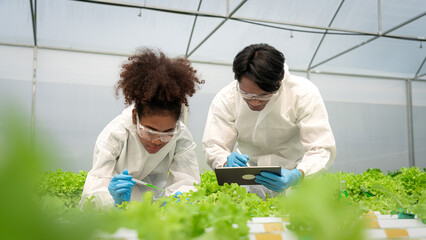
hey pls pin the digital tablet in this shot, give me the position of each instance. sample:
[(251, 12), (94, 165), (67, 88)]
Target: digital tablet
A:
[(243, 175)]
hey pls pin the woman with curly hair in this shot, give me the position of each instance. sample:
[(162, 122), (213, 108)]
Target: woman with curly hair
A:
[(147, 141)]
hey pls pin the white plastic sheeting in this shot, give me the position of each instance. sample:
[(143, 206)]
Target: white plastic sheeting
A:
[(419, 120), (75, 100), (369, 119), (81, 45), (16, 72)]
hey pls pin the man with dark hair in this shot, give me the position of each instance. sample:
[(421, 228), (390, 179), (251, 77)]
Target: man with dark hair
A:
[(274, 118)]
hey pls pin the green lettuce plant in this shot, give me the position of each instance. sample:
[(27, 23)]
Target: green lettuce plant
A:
[(404, 206), (316, 212)]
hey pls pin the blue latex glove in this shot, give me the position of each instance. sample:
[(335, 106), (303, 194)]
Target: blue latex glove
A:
[(237, 160), (120, 187), (278, 183), (177, 195)]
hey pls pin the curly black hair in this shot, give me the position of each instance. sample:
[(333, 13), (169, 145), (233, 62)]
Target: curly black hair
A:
[(157, 84)]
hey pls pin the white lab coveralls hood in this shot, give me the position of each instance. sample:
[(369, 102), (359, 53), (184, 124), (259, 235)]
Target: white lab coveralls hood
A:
[(292, 131), (173, 168)]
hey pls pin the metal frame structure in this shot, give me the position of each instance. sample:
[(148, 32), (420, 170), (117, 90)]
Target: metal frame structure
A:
[(33, 98), (218, 26), (325, 34), (230, 16)]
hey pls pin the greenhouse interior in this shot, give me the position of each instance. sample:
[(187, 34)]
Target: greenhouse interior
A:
[(60, 64)]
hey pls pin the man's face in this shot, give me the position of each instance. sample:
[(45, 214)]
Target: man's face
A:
[(255, 97)]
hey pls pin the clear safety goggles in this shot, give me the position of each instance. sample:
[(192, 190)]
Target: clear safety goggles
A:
[(253, 96), (152, 135)]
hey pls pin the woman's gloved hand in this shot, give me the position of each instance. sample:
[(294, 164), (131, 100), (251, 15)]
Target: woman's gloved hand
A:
[(278, 183), (237, 160), (120, 187), (177, 195)]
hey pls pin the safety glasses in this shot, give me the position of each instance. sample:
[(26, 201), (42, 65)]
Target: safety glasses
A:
[(253, 96), (152, 135)]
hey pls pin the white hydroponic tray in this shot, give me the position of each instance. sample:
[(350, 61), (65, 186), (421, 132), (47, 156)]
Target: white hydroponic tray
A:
[(274, 228), (379, 227)]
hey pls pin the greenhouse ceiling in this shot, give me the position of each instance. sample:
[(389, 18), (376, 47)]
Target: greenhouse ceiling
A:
[(381, 38)]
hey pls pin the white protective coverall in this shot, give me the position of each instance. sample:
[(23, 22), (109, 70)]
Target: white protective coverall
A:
[(173, 168), (292, 131)]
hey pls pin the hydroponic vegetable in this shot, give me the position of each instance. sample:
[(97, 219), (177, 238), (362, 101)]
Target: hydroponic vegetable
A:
[(222, 212)]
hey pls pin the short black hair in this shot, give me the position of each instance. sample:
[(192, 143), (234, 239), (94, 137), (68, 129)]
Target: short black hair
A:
[(261, 63)]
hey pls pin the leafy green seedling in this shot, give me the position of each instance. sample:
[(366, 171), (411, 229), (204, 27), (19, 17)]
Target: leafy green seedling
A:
[(404, 207)]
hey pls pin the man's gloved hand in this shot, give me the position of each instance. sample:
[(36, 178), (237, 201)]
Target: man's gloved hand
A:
[(120, 187), (278, 183), (237, 160)]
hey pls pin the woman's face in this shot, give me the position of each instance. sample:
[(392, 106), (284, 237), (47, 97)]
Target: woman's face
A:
[(159, 123)]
